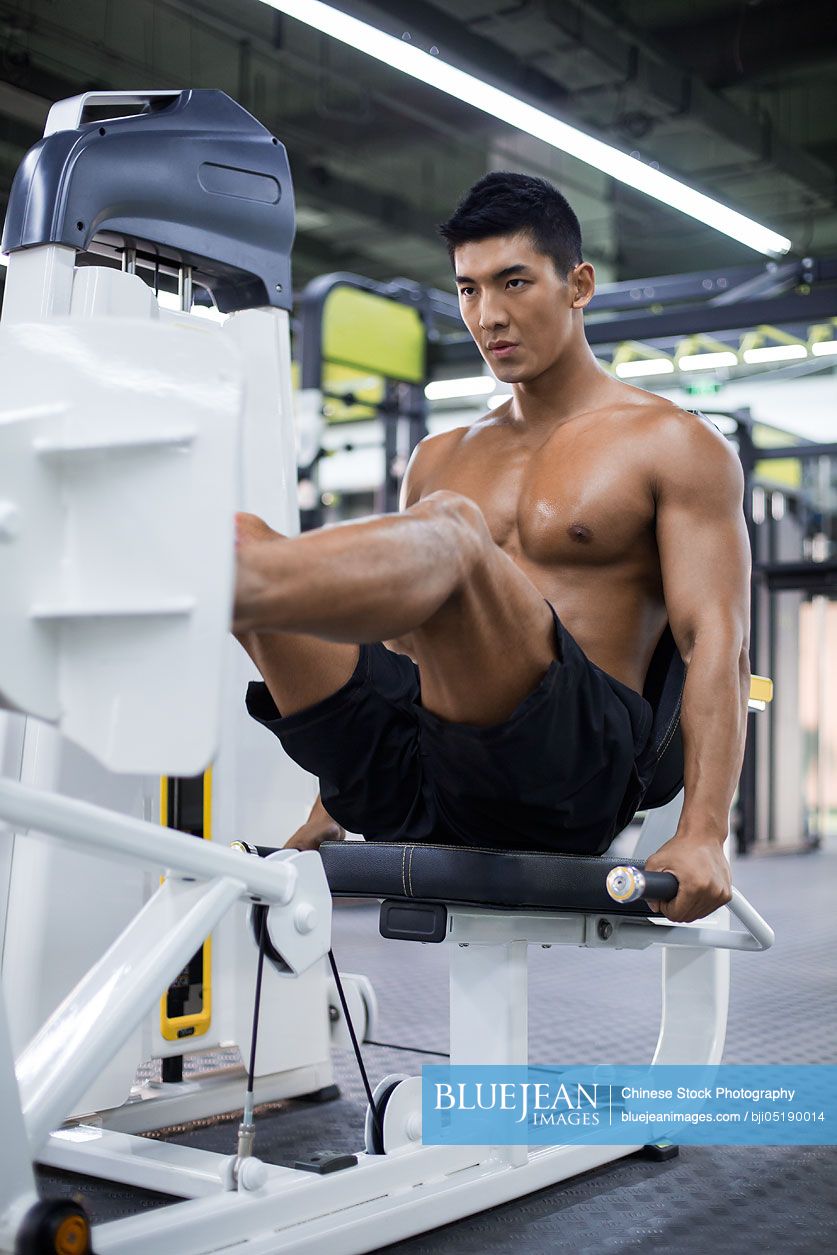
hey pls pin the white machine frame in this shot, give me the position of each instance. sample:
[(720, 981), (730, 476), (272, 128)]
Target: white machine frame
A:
[(257, 791), (270, 1209)]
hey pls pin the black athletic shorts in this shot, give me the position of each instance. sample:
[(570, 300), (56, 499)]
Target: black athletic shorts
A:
[(565, 772)]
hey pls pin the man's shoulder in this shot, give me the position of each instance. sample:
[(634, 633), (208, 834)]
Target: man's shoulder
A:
[(680, 434), (429, 453), (438, 445), (668, 418), (688, 452)]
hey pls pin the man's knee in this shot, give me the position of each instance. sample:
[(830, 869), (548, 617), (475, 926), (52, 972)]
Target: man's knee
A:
[(250, 527), (461, 522)]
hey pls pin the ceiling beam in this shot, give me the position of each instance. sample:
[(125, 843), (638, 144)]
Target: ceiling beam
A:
[(650, 70), (742, 45)]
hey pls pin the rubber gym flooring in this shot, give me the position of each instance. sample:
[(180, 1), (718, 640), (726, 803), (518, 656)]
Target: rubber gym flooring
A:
[(591, 1006)]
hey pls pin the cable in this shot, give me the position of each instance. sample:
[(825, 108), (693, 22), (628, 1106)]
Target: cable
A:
[(372, 1105), (257, 1002), (414, 1050), (247, 1130)]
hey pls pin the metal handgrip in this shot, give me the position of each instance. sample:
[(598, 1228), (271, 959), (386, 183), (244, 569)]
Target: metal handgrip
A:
[(68, 115), (628, 884)]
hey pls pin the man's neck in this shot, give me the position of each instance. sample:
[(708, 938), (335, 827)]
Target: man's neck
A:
[(572, 385)]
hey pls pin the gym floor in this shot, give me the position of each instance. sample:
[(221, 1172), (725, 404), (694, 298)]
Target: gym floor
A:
[(591, 1006)]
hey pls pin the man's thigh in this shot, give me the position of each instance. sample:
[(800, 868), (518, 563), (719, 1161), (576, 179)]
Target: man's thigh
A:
[(488, 647), (300, 670)]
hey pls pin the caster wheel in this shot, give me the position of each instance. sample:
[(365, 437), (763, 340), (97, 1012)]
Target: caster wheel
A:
[(54, 1227), (383, 1091)]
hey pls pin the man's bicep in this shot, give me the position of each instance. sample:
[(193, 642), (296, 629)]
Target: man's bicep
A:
[(703, 544)]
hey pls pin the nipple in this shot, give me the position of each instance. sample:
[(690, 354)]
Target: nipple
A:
[(580, 533)]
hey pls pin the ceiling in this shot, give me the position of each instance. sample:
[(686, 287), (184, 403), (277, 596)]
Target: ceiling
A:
[(737, 98)]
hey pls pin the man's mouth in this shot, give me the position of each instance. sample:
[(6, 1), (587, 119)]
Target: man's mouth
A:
[(502, 348)]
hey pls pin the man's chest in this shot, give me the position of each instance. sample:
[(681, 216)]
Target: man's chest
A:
[(570, 502)]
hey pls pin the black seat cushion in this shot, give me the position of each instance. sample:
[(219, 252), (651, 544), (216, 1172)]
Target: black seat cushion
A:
[(526, 880)]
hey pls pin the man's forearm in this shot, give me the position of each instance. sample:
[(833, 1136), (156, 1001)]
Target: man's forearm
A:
[(321, 821), (714, 728)]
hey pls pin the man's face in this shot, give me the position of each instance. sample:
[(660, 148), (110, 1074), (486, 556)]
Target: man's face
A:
[(514, 304)]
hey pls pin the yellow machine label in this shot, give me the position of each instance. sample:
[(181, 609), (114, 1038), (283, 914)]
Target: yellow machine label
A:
[(192, 988)]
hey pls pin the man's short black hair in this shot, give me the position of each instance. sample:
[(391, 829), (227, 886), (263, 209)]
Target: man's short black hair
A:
[(505, 203)]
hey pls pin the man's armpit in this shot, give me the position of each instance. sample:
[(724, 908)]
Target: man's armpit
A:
[(401, 645)]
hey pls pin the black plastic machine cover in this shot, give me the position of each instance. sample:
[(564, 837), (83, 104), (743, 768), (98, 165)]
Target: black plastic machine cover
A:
[(193, 179)]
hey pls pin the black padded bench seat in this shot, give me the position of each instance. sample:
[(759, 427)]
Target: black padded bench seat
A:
[(464, 875), (519, 879)]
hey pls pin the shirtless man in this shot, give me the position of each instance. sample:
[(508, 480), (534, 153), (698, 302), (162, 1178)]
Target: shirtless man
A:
[(537, 558)]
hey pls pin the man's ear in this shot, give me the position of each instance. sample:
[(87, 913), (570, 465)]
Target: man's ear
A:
[(582, 284)]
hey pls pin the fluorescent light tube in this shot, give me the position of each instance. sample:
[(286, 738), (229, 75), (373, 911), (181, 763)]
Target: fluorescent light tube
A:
[(646, 366), (448, 389), (524, 117), (775, 353), (706, 361), (824, 348)]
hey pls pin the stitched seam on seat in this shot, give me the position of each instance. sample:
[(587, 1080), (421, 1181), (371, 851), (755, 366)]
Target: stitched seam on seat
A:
[(474, 849), (403, 860), (410, 869)]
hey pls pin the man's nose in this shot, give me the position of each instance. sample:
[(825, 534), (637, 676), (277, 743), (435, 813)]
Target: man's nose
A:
[(492, 314)]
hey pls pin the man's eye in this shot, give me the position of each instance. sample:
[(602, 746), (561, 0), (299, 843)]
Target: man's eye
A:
[(466, 291), (511, 281)]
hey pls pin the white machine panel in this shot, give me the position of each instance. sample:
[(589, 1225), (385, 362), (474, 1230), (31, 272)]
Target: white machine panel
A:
[(115, 485)]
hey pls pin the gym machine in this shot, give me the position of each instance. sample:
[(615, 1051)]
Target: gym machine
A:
[(124, 437), (363, 356), (95, 206), (791, 508)]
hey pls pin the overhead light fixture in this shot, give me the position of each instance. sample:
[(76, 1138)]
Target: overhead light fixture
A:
[(450, 389), (824, 348), (499, 104), (645, 366), (775, 353), (706, 361)]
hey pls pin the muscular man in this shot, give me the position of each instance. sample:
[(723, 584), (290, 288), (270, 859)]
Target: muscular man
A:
[(521, 591)]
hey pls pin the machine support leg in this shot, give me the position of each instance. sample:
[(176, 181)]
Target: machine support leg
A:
[(96, 1017), (489, 1012)]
